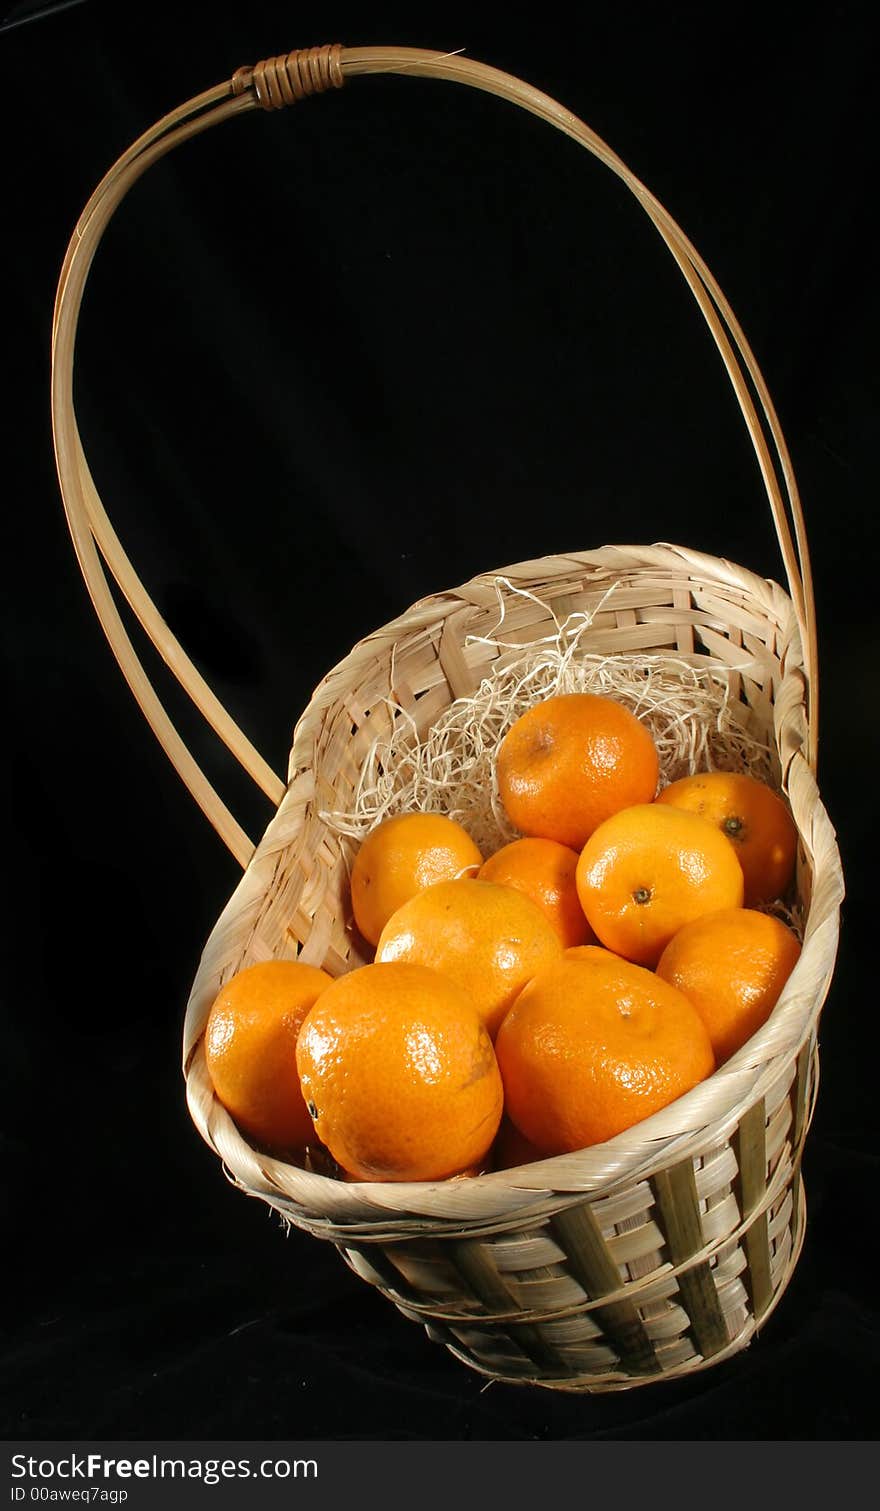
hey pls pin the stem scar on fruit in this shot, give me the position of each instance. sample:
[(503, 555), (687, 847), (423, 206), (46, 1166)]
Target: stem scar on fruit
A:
[(642, 895)]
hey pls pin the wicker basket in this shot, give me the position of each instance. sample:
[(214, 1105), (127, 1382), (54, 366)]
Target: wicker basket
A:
[(665, 1249)]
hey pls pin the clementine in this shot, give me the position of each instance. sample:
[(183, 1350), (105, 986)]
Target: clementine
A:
[(593, 1045), (732, 965), (490, 940), (753, 817), (648, 871), (401, 857), (544, 870), (400, 1075), (250, 1049), (571, 761)]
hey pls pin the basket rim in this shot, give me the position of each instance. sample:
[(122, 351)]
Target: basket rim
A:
[(324, 1203), (662, 556)]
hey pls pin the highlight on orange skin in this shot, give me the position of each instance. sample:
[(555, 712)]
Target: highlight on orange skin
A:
[(489, 939), (400, 1075), (649, 870), (753, 817), (571, 761), (592, 1046)]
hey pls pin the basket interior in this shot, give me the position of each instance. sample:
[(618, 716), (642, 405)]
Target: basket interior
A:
[(406, 681)]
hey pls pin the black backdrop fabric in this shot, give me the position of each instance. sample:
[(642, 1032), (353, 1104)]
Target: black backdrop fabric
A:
[(332, 360)]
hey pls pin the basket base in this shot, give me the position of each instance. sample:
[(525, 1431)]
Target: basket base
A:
[(596, 1384)]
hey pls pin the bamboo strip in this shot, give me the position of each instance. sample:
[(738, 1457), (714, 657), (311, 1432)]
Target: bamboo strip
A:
[(452, 656), (679, 1211), (483, 1279), (592, 1266), (800, 1102), (751, 1149)]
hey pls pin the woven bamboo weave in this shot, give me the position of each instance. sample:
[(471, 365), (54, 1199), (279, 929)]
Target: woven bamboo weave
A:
[(665, 1249)]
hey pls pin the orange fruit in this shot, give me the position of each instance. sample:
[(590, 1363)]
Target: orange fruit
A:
[(754, 819), (544, 870), (490, 940), (648, 871), (732, 965), (400, 1074), (570, 762), (250, 1049), (401, 857), (592, 1046)]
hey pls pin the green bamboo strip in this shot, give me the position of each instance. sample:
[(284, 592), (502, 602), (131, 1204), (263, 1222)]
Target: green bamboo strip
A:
[(751, 1148), (591, 1264), (678, 1203), (797, 1196), (797, 1204), (800, 1099), (482, 1277), (800, 1093)]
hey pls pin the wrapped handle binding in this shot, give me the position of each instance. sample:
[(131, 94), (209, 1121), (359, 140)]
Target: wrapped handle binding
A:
[(271, 85)]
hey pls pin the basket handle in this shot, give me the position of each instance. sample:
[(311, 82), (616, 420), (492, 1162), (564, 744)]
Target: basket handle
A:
[(271, 85)]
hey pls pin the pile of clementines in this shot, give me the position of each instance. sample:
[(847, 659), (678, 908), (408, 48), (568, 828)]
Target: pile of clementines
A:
[(532, 1002)]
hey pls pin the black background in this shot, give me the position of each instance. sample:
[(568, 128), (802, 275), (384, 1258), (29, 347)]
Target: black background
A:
[(330, 361)]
